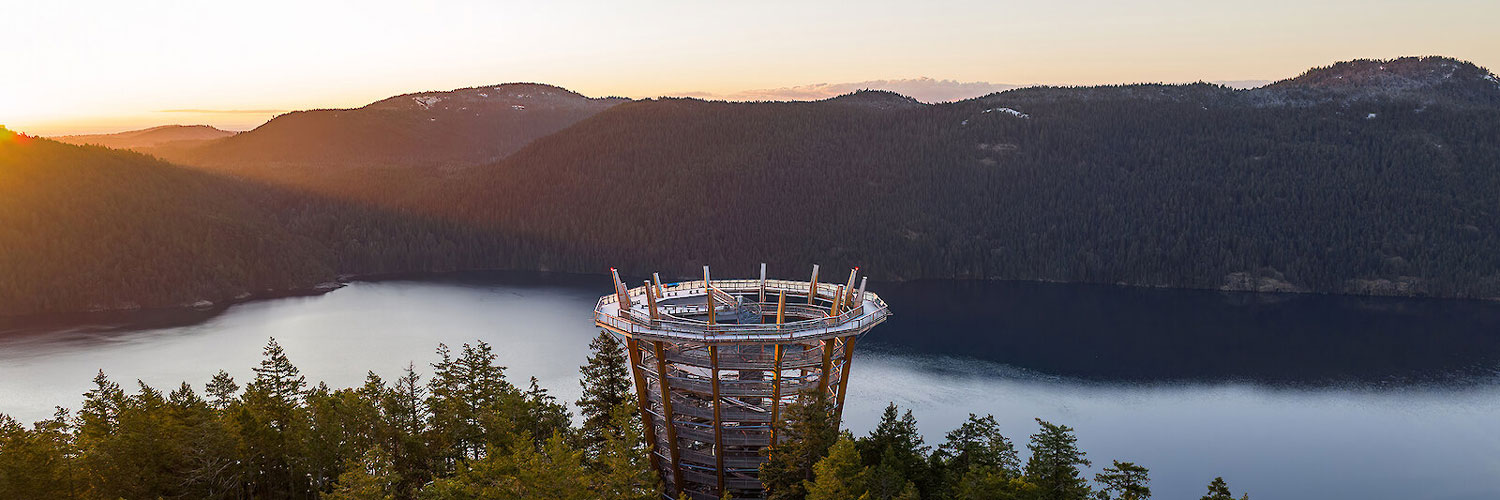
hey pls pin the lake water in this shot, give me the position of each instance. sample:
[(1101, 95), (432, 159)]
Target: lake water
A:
[(1287, 397)]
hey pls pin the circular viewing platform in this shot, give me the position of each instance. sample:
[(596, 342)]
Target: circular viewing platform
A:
[(740, 310)]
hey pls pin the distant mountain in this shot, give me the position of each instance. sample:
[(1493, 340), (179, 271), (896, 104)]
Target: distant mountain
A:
[(1353, 189), (426, 130), (927, 90), (151, 138), (1423, 80), (89, 228), (1347, 179), (876, 99), (95, 228)]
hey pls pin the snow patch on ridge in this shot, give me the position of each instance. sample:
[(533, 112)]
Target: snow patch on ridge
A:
[(1008, 110)]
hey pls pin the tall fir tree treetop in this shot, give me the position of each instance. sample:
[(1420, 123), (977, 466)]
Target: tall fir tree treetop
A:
[(277, 376), (1055, 463), (606, 386)]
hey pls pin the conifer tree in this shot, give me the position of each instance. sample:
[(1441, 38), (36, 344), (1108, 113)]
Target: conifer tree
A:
[(978, 443), (37, 463), (897, 454), (1055, 461), (1219, 490), (838, 476), (1123, 481), (372, 477), (273, 425), (623, 465), (606, 386), (221, 390), (806, 435), (406, 416)]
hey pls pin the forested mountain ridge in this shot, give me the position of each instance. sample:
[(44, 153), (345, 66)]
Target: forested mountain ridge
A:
[(90, 228), (1161, 185), (458, 127), (86, 227), (146, 140), (1200, 186)]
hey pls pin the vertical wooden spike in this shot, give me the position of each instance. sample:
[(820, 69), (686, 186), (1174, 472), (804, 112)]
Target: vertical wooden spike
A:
[(762, 283), (849, 286), (781, 308), (651, 301), (708, 295), (859, 298), (812, 286), (836, 307)]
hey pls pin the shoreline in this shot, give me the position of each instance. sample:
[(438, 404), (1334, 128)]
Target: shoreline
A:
[(212, 308)]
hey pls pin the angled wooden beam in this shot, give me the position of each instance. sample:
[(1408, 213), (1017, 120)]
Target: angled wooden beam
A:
[(651, 301), (666, 404), (812, 286), (844, 378), (620, 291), (641, 391), (827, 366), (848, 289), (661, 292), (838, 305), (859, 298)]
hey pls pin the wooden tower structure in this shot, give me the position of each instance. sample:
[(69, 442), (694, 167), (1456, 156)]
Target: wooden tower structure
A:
[(716, 361)]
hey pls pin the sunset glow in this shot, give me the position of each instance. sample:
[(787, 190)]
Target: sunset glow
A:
[(87, 66)]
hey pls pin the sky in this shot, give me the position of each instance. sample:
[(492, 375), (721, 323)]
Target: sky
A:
[(82, 66)]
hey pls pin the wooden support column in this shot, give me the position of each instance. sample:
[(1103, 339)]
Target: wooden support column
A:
[(641, 391), (776, 387), (762, 283), (812, 286), (838, 411), (859, 298), (838, 304), (621, 294), (651, 301), (666, 404), (781, 309), (827, 366), (708, 294), (848, 289), (713, 357)]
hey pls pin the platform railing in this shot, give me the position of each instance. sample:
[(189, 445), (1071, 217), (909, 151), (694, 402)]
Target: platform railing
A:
[(856, 318)]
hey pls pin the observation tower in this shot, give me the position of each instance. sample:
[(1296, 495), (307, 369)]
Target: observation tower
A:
[(716, 361)]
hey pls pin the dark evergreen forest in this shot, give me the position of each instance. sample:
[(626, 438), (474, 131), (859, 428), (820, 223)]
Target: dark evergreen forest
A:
[(1365, 177), (463, 431)]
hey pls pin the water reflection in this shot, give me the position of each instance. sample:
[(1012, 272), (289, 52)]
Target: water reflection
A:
[(1135, 334), (1286, 396)]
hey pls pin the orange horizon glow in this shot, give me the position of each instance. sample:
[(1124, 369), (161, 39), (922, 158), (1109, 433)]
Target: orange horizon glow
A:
[(90, 66)]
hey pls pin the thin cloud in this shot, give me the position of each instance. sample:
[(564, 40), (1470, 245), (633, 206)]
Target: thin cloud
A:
[(923, 89)]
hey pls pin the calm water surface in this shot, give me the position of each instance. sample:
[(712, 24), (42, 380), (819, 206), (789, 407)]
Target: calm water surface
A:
[(1287, 397)]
